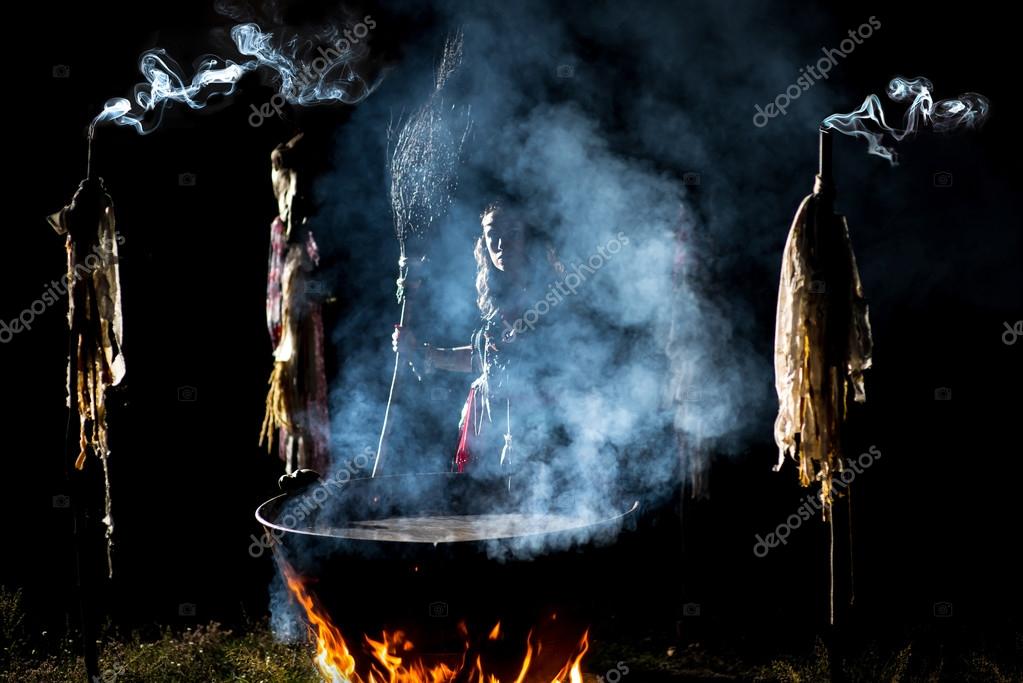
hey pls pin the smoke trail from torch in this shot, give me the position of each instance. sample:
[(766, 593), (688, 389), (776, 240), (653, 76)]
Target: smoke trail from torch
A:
[(969, 110), (332, 80), (164, 85)]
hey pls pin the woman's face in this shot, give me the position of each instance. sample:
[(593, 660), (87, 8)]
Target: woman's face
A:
[(504, 238)]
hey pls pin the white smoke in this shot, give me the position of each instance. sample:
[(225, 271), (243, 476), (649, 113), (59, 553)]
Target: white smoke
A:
[(969, 110)]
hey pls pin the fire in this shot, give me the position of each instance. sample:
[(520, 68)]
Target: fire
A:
[(333, 659), (571, 672), (337, 664)]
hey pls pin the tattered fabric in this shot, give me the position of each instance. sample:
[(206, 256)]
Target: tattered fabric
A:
[(94, 318), (822, 342)]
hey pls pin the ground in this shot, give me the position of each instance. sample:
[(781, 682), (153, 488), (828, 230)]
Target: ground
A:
[(213, 653)]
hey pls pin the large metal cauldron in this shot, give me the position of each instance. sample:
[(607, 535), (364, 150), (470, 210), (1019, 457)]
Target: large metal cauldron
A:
[(424, 552)]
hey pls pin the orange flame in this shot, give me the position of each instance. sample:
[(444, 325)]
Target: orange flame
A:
[(526, 661), (337, 664), (332, 657), (572, 673)]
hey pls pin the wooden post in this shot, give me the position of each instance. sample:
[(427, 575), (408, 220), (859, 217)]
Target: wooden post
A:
[(84, 578)]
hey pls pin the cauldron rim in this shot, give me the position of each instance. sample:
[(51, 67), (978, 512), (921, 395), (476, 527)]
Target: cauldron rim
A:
[(265, 511)]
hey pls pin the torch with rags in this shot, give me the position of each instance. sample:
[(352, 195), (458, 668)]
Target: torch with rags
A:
[(95, 361)]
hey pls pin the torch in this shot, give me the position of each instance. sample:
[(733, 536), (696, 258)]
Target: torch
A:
[(822, 345), (95, 364), (822, 335)]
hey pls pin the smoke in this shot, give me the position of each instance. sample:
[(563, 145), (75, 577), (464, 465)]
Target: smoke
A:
[(326, 75), (165, 84), (637, 163), (318, 68), (286, 619), (622, 351), (967, 111)]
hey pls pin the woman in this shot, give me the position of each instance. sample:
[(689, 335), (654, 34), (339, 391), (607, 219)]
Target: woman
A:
[(507, 272)]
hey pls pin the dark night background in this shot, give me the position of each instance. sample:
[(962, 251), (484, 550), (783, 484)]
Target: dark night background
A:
[(937, 518)]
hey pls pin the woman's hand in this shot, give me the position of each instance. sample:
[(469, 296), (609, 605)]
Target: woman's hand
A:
[(458, 359), (403, 341)]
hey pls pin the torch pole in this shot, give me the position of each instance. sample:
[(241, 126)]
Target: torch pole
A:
[(80, 515), (824, 163), (826, 194), (78, 486)]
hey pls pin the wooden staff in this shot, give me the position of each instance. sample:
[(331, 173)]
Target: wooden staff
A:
[(404, 319), (423, 169)]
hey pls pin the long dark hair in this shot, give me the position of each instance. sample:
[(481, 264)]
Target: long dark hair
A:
[(487, 296)]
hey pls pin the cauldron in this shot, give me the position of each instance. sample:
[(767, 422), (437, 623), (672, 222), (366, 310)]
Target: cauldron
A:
[(423, 552)]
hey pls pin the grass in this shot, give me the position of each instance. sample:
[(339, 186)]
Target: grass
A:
[(205, 653), (213, 653), (872, 666)]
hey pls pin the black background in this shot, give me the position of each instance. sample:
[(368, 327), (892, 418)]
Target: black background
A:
[(937, 517)]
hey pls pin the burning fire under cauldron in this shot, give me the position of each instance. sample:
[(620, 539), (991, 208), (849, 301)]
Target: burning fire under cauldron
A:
[(442, 576)]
